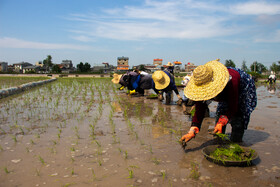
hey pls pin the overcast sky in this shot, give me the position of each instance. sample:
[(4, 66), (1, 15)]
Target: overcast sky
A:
[(97, 31)]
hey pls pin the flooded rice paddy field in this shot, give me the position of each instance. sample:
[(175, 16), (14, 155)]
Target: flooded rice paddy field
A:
[(8, 81), (85, 132)]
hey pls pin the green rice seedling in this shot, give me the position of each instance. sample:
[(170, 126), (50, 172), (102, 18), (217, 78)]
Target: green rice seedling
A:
[(41, 160), (54, 142), (97, 143), (21, 130), (130, 176), (58, 135), (99, 162), (14, 138), (72, 160), (32, 142), (37, 172), (125, 155), (72, 171), (133, 166), (120, 150), (163, 174), (6, 170), (72, 149), (53, 151), (93, 174), (156, 161), (195, 174), (37, 136), (151, 149)]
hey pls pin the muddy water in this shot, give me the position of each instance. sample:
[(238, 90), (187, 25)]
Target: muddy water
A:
[(84, 132)]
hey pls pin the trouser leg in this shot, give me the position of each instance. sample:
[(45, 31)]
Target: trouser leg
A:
[(237, 131), (168, 97)]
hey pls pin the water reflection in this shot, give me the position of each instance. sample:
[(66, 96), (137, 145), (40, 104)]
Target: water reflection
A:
[(271, 88)]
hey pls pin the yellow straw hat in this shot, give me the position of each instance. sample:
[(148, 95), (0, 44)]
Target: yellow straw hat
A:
[(169, 64), (116, 78), (161, 80), (207, 81)]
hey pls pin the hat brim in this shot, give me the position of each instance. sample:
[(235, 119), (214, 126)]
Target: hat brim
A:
[(116, 79), (211, 89), (160, 86)]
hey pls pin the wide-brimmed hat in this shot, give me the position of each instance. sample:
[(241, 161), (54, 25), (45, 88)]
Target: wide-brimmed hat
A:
[(116, 78), (169, 64), (161, 80), (207, 81)]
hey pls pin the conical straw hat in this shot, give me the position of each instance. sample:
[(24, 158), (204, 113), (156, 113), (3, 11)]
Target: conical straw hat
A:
[(116, 78), (207, 81), (161, 80)]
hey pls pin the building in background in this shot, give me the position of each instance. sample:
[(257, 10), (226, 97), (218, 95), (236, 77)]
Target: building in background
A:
[(177, 66), (31, 69), (39, 63), (189, 67), (67, 64), (105, 67), (157, 62), (123, 64), (3, 66), (19, 66)]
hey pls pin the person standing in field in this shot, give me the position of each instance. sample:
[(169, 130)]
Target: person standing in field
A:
[(233, 89)]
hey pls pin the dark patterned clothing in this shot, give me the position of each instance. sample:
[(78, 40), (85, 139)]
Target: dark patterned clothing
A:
[(238, 99)]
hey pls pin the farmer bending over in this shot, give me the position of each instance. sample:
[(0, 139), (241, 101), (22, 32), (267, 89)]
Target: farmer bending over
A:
[(233, 89), (164, 82)]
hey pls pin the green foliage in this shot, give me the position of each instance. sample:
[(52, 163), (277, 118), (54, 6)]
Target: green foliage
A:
[(48, 62), (244, 66), (195, 174), (229, 63), (274, 67), (258, 67), (83, 67), (56, 69)]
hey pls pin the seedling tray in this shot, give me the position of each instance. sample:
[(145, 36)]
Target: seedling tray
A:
[(211, 148)]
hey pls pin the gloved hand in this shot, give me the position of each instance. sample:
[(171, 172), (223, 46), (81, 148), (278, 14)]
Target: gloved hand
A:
[(223, 120), (180, 100), (132, 92), (190, 135), (160, 97), (121, 88)]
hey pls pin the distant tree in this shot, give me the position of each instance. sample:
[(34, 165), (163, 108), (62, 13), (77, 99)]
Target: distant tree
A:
[(83, 67), (229, 63), (274, 67), (80, 67), (48, 62), (244, 66), (258, 67), (86, 67), (142, 67), (56, 69)]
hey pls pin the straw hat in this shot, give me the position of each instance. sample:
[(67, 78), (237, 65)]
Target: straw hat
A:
[(116, 78), (169, 64), (207, 81), (161, 80)]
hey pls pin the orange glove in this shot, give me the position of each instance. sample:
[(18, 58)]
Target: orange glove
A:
[(190, 135), (223, 120)]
